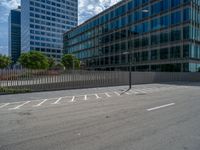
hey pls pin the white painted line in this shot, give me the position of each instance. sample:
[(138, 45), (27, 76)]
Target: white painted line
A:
[(117, 93), (73, 98), (163, 106), (85, 97), (57, 101), (107, 95), (18, 107), (97, 96), (4, 105), (40, 103), (127, 93), (140, 91), (134, 92)]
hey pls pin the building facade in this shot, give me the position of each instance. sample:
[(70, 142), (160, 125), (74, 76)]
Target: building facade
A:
[(44, 22), (14, 34), (158, 35)]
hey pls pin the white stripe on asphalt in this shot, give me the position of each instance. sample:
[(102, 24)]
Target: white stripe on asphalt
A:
[(20, 105), (40, 103), (127, 93), (140, 91), (4, 105), (107, 95), (57, 101), (97, 96), (134, 92), (163, 106), (85, 97), (117, 93), (73, 98)]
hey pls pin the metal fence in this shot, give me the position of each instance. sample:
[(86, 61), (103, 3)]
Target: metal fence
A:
[(24, 80)]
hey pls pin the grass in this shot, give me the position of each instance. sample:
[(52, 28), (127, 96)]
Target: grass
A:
[(13, 91)]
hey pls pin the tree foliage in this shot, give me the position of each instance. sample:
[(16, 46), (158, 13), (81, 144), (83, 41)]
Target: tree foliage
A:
[(51, 62), (34, 60), (70, 62), (4, 61)]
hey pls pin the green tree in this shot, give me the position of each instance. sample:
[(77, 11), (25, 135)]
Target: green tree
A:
[(51, 62), (34, 60), (70, 62), (4, 61)]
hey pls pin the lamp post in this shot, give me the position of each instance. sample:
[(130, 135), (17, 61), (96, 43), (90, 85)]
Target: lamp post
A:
[(130, 68)]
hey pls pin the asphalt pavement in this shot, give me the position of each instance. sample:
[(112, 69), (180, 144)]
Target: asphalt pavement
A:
[(148, 117)]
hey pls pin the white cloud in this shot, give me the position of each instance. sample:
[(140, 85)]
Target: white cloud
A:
[(89, 8), (5, 6)]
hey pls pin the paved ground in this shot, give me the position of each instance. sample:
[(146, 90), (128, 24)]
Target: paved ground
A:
[(149, 117)]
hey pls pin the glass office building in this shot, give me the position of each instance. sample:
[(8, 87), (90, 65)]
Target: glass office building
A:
[(158, 35), (14, 34), (44, 22)]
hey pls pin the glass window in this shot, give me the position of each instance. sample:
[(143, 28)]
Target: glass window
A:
[(186, 51), (154, 55), (165, 5), (175, 3), (137, 3), (145, 56), (155, 8), (176, 35), (155, 24), (164, 21), (164, 53), (155, 39), (145, 26), (164, 38), (145, 41), (137, 16), (186, 14), (136, 43), (175, 52), (145, 12), (176, 18), (186, 32)]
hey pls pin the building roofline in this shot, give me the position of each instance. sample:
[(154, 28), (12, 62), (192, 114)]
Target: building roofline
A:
[(96, 16), (17, 9)]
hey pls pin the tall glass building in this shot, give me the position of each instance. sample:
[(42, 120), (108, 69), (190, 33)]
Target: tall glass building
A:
[(14, 35), (158, 35), (44, 22)]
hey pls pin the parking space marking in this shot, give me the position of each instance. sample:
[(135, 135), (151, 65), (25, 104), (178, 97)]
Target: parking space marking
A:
[(58, 100), (141, 91), (4, 105), (97, 96), (107, 95), (117, 93), (101, 95), (73, 98), (158, 107), (38, 105), (85, 97), (134, 92), (19, 106)]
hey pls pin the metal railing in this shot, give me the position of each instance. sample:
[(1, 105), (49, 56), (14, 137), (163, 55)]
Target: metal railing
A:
[(25, 80)]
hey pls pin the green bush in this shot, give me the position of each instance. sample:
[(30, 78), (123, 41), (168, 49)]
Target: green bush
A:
[(13, 91)]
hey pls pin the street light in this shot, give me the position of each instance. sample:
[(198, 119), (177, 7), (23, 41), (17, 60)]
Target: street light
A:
[(130, 68)]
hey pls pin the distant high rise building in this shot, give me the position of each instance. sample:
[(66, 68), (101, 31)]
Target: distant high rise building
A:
[(44, 22), (14, 37)]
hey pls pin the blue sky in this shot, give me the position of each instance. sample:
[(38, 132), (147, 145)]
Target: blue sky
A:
[(87, 9)]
